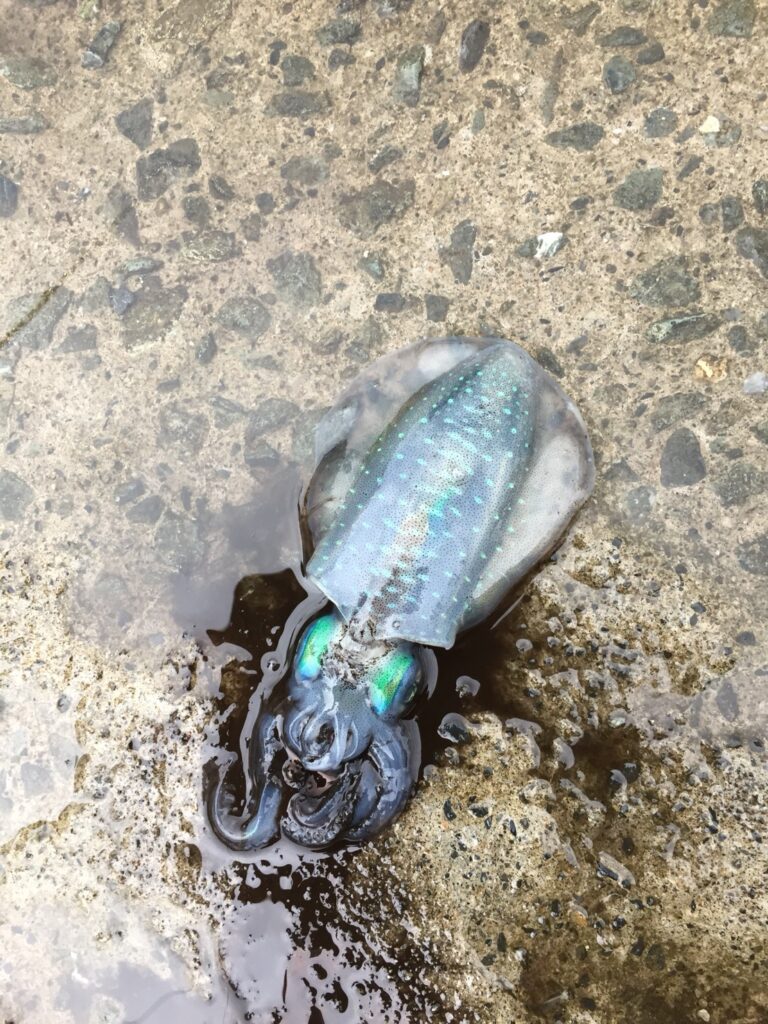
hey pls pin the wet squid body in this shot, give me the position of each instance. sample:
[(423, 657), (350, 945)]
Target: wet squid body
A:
[(442, 477)]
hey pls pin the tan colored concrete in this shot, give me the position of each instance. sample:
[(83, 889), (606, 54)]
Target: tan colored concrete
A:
[(130, 440)]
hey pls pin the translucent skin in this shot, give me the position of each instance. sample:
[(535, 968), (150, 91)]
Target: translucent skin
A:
[(465, 490), (427, 506)]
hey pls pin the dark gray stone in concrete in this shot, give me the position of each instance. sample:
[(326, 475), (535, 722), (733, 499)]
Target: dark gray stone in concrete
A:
[(681, 461), (245, 315), (581, 137), (474, 40), (669, 282)]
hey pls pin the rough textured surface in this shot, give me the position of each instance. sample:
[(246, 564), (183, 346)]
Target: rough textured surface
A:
[(197, 235)]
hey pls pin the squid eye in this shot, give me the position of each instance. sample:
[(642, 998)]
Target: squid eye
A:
[(314, 645), (393, 685)]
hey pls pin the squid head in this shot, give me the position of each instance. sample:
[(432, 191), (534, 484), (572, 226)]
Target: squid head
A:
[(337, 758)]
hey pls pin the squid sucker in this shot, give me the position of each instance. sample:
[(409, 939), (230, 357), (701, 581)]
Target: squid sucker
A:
[(443, 476)]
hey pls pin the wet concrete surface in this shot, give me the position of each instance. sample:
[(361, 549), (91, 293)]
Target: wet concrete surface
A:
[(212, 219)]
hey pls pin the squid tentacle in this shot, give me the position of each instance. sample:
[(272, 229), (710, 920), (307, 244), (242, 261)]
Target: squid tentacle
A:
[(319, 820), (393, 764), (261, 824)]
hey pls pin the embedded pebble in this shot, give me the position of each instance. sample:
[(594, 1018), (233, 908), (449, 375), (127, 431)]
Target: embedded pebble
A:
[(37, 315), (733, 18), (618, 74), (543, 246), (684, 327), (732, 211), (459, 255), (339, 31), (139, 267), (639, 503), (135, 123), (739, 482), (441, 135), (682, 463), (729, 134), (207, 349), (258, 455), (474, 40), (386, 156), (669, 282), (366, 210), (436, 307), (27, 72), (9, 196), (80, 339), (752, 244), (690, 165), (245, 315), (760, 195), (753, 555), (650, 54), (581, 137), (296, 277), (710, 213), (30, 124), (155, 173), (297, 70), (183, 427), (624, 35), (660, 122), (640, 190), (271, 413), (152, 313), (220, 188), (129, 491), (15, 496), (340, 58), (710, 125), (390, 302), (298, 103), (371, 263), (197, 210), (101, 45), (121, 214), (755, 384), (305, 170), (252, 226), (674, 408), (739, 340), (147, 511), (211, 246), (578, 21), (121, 299), (407, 85)]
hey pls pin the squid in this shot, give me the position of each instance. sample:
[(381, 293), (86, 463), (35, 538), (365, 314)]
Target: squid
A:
[(442, 477)]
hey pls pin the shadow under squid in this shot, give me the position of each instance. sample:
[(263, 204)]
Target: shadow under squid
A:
[(442, 477)]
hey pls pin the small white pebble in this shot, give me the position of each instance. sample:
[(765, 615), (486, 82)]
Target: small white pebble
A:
[(755, 384), (711, 126), (703, 1015), (549, 243)]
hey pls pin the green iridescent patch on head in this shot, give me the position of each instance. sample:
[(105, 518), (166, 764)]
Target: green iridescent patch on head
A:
[(393, 681), (314, 646)]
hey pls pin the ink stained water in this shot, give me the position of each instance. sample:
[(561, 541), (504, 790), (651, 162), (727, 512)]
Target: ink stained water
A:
[(444, 475)]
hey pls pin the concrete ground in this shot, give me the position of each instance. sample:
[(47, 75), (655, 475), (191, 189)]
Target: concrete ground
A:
[(213, 213)]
